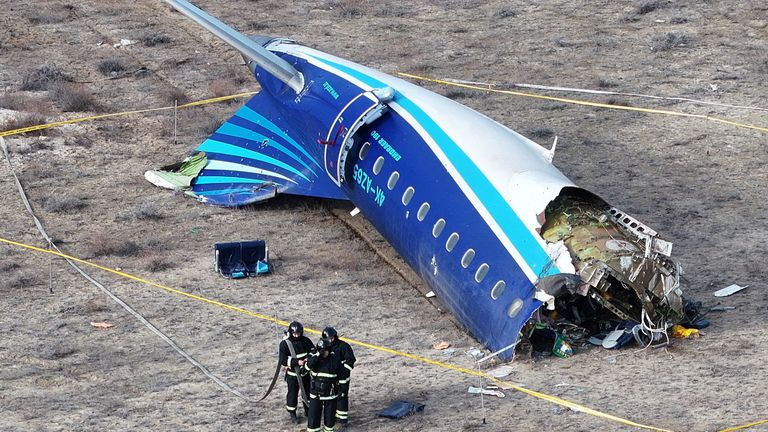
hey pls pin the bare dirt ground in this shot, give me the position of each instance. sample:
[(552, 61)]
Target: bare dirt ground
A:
[(701, 184)]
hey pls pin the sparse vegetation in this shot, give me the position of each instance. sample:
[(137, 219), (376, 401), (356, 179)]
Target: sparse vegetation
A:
[(393, 11), (63, 204), (647, 7), (175, 95), (43, 78), (104, 244), (153, 39), (70, 97), (22, 280), (542, 132), (678, 20), (670, 40), (49, 16), (111, 66), (460, 94), (148, 211), (506, 12), (256, 26), (606, 83), (158, 264), (21, 121), (79, 141), (20, 102), (221, 87)]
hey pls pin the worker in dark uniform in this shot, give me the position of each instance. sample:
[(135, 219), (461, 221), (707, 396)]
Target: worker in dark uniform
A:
[(343, 351), (323, 367), (293, 362)]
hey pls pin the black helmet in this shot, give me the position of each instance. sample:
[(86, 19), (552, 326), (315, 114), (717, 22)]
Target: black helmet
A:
[(323, 345), (329, 333), (296, 327)]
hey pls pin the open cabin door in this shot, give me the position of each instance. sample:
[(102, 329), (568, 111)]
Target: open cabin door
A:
[(361, 110)]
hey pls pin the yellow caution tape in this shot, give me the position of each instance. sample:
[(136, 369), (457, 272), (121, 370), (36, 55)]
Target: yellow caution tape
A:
[(490, 88), (746, 426), (503, 384), (123, 113)]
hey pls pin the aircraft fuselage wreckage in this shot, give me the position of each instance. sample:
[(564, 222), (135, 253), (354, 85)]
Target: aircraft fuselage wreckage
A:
[(476, 209)]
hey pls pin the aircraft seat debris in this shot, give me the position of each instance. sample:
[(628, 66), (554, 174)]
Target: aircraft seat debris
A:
[(237, 260)]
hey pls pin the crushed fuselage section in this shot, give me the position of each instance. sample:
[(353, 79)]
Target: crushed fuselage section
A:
[(624, 268)]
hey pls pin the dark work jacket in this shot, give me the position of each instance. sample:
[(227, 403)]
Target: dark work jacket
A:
[(324, 373), (303, 347), (347, 358)]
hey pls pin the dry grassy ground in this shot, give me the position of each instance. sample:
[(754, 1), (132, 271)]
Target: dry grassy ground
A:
[(698, 182)]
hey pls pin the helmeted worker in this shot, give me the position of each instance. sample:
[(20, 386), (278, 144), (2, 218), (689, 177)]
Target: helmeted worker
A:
[(323, 367), (294, 351), (347, 358)]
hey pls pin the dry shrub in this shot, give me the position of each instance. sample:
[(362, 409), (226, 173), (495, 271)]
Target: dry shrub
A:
[(255, 26), (349, 8), (221, 87), (649, 6), (20, 102), (542, 132), (49, 16), (43, 78), (152, 39), (71, 98), (22, 281), (147, 211), (669, 41), (460, 94), (63, 204), (175, 95), (394, 11), (111, 66), (505, 12), (104, 244), (79, 141), (158, 264), (21, 121)]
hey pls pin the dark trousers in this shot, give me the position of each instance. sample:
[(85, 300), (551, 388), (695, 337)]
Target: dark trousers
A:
[(318, 408), (342, 402), (292, 398)]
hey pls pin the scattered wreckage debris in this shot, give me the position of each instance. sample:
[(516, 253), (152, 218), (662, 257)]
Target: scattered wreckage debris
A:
[(101, 325), (400, 409), (490, 390), (624, 287), (236, 260), (730, 289)]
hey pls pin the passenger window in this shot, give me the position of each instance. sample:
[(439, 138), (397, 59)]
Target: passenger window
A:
[(451, 243), (466, 260), (515, 308), (423, 210), (498, 289), (408, 195), (481, 272), (438, 228), (364, 150), (393, 178), (378, 165)]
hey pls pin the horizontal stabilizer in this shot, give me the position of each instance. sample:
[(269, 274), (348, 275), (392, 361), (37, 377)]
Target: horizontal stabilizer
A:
[(250, 158)]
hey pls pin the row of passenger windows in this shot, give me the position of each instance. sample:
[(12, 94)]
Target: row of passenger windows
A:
[(437, 229)]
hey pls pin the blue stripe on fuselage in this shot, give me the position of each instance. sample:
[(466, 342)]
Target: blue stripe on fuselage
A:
[(255, 117), (501, 212), (214, 146), (233, 129)]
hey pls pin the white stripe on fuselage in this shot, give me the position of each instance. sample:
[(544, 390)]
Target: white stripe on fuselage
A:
[(233, 166)]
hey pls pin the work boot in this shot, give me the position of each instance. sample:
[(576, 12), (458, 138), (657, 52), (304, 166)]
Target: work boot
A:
[(294, 418)]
